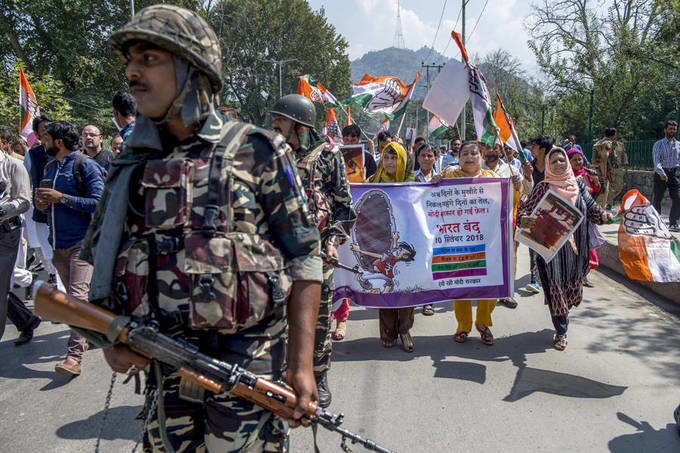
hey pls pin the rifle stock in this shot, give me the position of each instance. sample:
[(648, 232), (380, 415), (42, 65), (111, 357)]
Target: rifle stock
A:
[(54, 305)]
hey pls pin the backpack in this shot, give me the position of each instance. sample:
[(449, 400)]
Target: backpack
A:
[(78, 173)]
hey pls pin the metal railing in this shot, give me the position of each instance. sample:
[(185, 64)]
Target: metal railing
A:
[(639, 153)]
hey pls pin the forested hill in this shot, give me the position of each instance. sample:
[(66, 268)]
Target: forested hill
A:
[(403, 63)]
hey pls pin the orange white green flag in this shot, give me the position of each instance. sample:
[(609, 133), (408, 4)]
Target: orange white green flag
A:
[(387, 95), (648, 251), (315, 91), (349, 119), (331, 129), (29, 109), (436, 126), (507, 133)]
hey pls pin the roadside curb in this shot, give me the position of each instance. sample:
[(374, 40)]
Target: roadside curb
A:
[(609, 258)]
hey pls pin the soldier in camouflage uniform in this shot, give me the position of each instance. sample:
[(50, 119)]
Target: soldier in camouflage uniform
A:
[(619, 162), (325, 180), (603, 164), (204, 228)]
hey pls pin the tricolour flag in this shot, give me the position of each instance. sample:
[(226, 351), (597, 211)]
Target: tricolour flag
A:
[(508, 134), (315, 91), (331, 128), (436, 127), (648, 251), (348, 120), (29, 109), (387, 95)]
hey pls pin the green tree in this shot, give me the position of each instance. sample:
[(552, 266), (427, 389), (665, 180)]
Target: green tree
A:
[(254, 33), (617, 53)]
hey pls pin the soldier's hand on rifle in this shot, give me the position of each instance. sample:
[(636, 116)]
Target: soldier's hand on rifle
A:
[(120, 358), (304, 384), (332, 252)]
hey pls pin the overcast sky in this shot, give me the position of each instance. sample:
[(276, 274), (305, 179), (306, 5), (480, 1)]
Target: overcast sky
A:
[(370, 25)]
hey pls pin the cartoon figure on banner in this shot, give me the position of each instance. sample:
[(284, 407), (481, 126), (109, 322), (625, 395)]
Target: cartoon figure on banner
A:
[(376, 243)]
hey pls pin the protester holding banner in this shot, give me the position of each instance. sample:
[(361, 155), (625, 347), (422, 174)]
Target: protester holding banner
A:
[(562, 278), (470, 161), (539, 148), (592, 183), (394, 321), (427, 172), (426, 158)]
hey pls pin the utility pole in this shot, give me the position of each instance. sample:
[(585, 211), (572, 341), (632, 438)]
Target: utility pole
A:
[(132, 8), (281, 63), (462, 115), (427, 80)]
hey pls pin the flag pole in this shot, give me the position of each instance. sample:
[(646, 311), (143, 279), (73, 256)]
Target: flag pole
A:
[(401, 122)]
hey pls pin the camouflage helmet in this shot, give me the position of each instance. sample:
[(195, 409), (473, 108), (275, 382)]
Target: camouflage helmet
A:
[(179, 31), (296, 107)]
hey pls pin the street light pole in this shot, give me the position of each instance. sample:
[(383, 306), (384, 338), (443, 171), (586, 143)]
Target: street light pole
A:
[(281, 63), (132, 8)]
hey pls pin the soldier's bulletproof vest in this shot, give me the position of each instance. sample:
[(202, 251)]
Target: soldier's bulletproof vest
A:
[(188, 259), (319, 204)]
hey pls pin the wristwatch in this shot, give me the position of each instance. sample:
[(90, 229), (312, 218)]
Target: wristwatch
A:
[(62, 199)]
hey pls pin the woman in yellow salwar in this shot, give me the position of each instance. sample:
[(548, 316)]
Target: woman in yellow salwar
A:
[(394, 321), (470, 161)]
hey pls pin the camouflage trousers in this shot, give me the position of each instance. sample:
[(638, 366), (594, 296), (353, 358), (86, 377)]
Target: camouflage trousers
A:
[(221, 424), (322, 338)]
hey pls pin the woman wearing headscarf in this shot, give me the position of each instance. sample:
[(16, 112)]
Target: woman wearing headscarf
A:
[(427, 172), (394, 322), (470, 161), (562, 278), (592, 183)]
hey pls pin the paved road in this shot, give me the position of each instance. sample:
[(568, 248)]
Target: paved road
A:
[(613, 389)]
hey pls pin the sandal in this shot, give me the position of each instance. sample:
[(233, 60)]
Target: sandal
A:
[(407, 342), (485, 334), (560, 342), (340, 331), (460, 337), (428, 310), (388, 343)]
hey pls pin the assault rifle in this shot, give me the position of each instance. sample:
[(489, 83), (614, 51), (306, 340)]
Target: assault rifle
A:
[(204, 371), (336, 263)]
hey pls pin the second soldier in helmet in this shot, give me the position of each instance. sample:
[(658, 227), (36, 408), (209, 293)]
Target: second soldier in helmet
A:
[(323, 175)]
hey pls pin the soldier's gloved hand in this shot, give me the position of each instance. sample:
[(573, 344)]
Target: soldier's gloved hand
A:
[(120, 358), (304, 384)]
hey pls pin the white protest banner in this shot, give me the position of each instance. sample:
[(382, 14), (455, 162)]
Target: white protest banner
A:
[(415, 244), (449, 92)]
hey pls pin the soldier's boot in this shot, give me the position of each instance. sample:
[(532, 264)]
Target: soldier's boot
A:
[(325, 396)]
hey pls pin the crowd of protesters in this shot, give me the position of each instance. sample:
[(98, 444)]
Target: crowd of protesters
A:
[(65, 173), (54, 188)]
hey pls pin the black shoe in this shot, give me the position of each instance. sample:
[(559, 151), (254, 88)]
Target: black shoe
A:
[(27, 334), (325, 396), (509, 302), (674, 228)]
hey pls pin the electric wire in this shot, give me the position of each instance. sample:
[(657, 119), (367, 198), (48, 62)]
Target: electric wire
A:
[(441, 16), (479, 17)]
